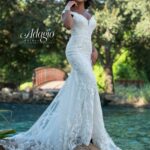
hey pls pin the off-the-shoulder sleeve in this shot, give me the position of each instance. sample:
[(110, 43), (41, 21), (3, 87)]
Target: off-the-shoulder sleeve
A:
[(64, 12)]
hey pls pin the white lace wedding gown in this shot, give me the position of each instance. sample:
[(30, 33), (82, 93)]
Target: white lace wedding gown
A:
[(75, 115)]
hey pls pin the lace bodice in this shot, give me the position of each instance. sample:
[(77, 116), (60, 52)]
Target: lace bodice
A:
[(81, 33), (82, 25)]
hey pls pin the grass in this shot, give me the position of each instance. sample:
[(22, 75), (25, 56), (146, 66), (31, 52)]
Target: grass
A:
[(134, 94), (5, 133)]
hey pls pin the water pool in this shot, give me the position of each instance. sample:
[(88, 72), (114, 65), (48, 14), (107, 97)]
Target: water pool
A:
[(129, 127)]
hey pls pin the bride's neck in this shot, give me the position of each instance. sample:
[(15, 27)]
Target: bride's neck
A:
[(80, 8)]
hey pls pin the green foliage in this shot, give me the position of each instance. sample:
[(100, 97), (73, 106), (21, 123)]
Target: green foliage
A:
[(18, 57), (123, 25), (124, 68), (52, 59), (5, 133), (132, 93), (120, 25), (25, 85), (100, 77), (139, 14)]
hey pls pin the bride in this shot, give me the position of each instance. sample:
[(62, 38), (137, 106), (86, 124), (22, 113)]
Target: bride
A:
[(75, 115)]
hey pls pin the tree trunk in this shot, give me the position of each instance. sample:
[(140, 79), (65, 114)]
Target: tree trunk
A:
[(108, 69), (109, 82)]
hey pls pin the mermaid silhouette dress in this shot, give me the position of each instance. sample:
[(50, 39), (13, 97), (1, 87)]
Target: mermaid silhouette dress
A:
[(75, 115)]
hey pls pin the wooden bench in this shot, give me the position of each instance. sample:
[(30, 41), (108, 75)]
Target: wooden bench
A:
[(124, 82), (43, 75)]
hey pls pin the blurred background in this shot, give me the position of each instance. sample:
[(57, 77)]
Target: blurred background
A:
[(33, 38), (121, 38)]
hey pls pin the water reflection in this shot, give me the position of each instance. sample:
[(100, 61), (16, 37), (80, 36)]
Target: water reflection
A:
[(129, 127)]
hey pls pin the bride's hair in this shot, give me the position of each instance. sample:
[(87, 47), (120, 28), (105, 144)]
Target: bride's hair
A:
[(87, 3)]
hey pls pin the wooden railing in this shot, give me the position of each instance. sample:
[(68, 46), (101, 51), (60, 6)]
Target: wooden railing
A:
[(43, 75), (137, 83)]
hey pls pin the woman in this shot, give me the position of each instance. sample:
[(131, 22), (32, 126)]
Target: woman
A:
[(75, 116)]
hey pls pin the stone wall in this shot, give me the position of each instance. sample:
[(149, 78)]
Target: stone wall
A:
[(28, 96)]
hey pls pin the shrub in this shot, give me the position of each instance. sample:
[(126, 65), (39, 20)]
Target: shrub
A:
[(132, 93), (25, 85)]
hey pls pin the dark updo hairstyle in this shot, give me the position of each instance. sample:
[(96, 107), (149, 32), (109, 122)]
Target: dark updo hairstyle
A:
[(87, 3)]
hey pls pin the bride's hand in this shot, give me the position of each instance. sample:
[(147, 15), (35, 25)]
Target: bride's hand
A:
[(71, 3), (94, 55)]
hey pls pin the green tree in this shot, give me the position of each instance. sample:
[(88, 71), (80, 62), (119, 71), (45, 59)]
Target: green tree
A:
[(118, 26), (18, 58)]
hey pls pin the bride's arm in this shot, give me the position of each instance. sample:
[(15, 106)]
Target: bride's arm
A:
[(94, 55), (67, 16)]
